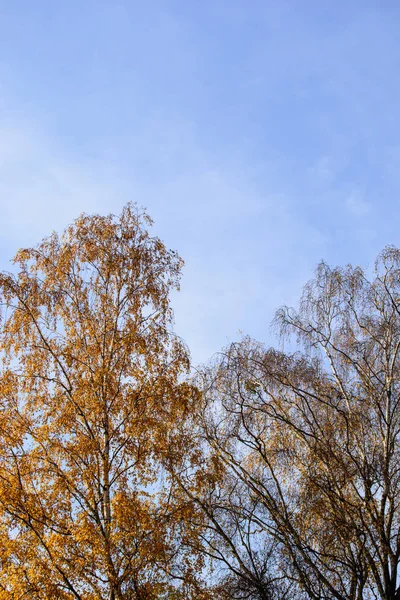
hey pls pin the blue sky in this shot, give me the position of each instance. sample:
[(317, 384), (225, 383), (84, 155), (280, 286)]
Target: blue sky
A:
[(262, 136)]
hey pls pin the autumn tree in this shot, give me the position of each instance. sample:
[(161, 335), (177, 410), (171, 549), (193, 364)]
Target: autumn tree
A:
[(311, 440), (93, 405)]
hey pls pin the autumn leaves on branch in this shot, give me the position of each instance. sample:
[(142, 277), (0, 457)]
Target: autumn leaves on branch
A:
[(267, 475)]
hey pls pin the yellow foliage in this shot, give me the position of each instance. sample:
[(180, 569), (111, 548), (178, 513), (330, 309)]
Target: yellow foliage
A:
[(91, 407)]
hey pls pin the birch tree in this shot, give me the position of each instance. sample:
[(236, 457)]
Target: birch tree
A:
[(93, 404), (313, 436)]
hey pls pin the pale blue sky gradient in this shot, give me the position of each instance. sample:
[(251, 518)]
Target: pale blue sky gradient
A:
[(262, 136)]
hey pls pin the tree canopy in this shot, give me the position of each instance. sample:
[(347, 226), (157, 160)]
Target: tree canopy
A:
[(268, 475), (308, 444), (93, 403)]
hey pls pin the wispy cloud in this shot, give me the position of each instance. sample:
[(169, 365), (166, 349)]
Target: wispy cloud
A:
[(323, 171), (41, 190), (357, 204)]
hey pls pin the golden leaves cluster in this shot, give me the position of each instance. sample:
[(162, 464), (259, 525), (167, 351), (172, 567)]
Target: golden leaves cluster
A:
[(93, 406)]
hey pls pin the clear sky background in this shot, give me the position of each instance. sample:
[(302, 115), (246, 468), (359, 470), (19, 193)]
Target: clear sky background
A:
[(262, 136)]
